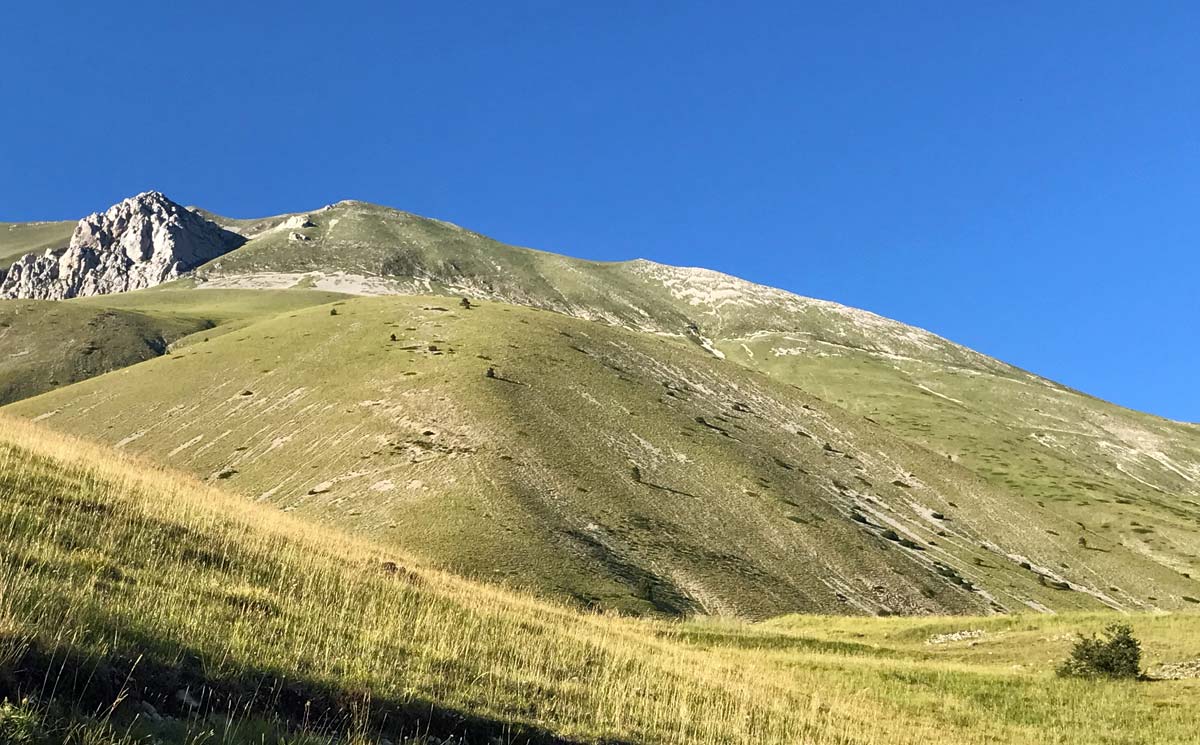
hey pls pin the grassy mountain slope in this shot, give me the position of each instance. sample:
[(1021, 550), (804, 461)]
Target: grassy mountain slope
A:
[(221, 310), (1120, 478), (365, 248), (136, 603), (44, 344), (47, 344), (614, 467), (20, 238), (1079, 493)]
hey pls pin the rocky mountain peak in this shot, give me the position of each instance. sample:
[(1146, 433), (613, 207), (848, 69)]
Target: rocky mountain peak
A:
[(139, 242)]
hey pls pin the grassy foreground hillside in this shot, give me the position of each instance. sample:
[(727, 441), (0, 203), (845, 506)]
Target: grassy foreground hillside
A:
[(616, 468), (138, 603)]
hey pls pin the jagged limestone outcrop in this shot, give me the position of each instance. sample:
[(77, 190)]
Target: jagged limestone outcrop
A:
[(140, 242)]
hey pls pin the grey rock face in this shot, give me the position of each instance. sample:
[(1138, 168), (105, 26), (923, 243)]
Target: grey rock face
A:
[(141, 242)]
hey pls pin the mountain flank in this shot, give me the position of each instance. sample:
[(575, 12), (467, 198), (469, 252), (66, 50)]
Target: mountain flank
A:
[(626, 435), (612, 467)]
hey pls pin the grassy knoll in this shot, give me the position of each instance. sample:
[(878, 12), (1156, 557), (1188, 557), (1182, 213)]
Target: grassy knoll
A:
[(49, 344), (46, 344), (220, 310), (136, 602)]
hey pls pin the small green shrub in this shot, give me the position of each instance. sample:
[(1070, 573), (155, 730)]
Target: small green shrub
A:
[(1115, 654), (20, 724)]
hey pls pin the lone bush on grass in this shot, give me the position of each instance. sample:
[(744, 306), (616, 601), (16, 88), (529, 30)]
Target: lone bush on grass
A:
[(1115, 654)]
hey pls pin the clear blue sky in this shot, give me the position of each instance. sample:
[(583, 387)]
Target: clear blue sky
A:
[(1021, 177)]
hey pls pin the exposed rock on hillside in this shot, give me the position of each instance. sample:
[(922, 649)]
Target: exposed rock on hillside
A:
[(298, 221), (140, 242)]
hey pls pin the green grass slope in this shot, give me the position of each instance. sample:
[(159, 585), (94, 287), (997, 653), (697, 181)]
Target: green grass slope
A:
[(221, 310), (613, 467), (20, 238), (137, 605), (1120, 477), (47, 344), (1089, 502), (364, 248), (44, 344)]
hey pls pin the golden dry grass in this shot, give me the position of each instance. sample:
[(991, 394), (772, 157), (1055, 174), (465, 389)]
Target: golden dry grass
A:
[(108, 558)]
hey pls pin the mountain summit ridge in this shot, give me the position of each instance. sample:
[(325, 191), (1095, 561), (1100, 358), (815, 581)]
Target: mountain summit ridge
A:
[(361, 248), (365, 249)]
